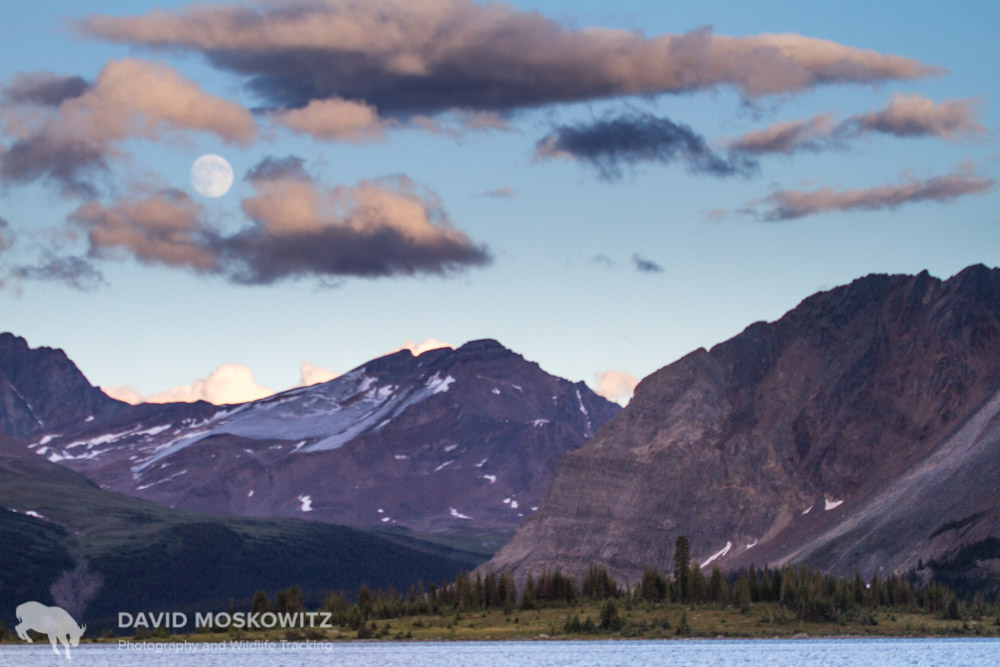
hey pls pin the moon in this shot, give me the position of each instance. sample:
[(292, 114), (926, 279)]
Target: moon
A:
[(211, 176)]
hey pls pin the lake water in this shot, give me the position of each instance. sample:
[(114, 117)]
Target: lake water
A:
[(688, 653)]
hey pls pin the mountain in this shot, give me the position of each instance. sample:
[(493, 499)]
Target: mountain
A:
[(65, 541), (452, 442), (860, 432), (42, 389)]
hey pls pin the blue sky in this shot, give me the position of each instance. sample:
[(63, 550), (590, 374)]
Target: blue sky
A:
[(562, 287)]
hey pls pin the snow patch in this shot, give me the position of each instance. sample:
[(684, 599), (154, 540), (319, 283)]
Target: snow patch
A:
[(250, 493), (450, 448), (506, 501), (540, 422), (35, 514), (306, 503), (438, 385), (807, 510), (752, 545), (480, 464), (89, 418), (496, 391), (380, 510), (386, 519), (47, 439), (513, 504), (400, 457), (534, 509), (718, 554), (831, 504), (490, 478), (458, 515), (446, 463), (518, 387)]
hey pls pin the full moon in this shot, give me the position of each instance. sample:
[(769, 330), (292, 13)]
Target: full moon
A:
[(211, 176)]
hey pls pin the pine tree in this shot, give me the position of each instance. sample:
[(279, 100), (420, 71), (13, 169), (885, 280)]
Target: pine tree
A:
[(682, 568), (260, 603)]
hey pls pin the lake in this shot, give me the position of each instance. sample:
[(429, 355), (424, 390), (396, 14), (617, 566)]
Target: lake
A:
[(689, 653)]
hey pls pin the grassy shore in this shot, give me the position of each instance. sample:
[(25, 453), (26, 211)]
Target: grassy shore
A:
[(664, 621)]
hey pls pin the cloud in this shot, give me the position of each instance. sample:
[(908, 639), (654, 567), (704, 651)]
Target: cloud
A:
[(6, 235), (379, 228), (164, 228), (419, 348), (793, 204), (310, 374), (903, 116), (617, 386), (335, 119), (638, 137), (916, 115), (643, 265), (603, 260), (44, 88), (788, 136), (229, 383), (71, 142), (75, 272), (295, 229), (429, 57), (503, 192)]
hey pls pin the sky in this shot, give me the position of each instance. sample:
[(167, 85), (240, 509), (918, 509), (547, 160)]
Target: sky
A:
[(601, 187)]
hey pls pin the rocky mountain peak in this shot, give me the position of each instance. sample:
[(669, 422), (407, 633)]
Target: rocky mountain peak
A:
[(846, 433), (40, 388)]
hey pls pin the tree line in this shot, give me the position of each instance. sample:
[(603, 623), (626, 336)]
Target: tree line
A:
[(808, 595)]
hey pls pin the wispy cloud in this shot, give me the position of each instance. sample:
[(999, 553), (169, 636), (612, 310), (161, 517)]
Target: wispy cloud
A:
[(75, 272), (613, 143), (411, 58), (503, 192), (903, 116), (793, 204)]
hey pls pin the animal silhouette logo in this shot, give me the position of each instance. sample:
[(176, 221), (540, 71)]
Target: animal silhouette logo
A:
[(52, 621)]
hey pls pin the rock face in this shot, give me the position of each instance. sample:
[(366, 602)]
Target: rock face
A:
[(453, 440), (858, 432), (41, 389)]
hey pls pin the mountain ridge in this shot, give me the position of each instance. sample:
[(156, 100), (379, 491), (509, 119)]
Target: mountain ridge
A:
[(783, 431)]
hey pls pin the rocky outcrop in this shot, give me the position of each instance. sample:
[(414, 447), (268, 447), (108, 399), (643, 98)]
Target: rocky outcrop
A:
[(858, 432)]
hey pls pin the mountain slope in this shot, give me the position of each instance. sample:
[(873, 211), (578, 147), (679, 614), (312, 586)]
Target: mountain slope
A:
[(63, 540), (849, 434), (462, 441)]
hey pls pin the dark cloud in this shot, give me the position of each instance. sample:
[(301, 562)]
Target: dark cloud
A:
[(419, 57), (75, 272), (639, 137), (274, 168), (44, 88), (69, 163), (793, 204), (379, 228), (644, 265)]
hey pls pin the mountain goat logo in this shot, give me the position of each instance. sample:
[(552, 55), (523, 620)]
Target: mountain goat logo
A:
[(52, 621)]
